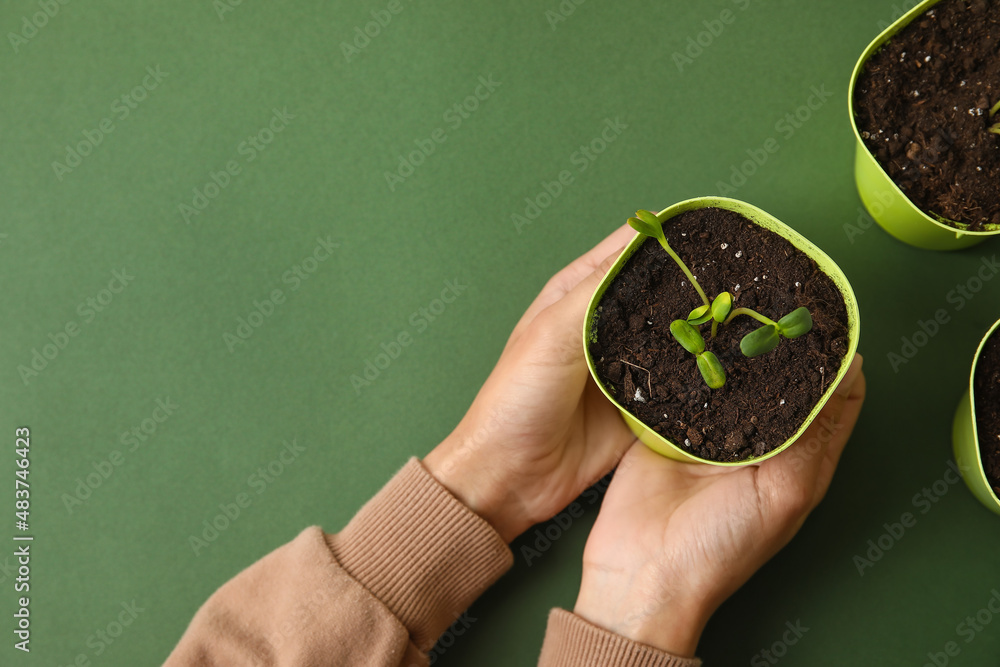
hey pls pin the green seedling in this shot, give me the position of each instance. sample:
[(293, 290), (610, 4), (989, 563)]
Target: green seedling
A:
[(766, 338), (699, 315), (719, 311), (995, 129), (691, 340), (647, 223)]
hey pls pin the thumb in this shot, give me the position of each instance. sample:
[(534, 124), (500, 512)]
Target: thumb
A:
[(558, 329)]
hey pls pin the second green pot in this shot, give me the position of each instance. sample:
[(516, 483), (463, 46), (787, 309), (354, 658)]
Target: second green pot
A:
[(885, 201)]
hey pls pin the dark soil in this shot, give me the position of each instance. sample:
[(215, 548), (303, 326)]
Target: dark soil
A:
[(922, 107), (766, 398), (987, 391)]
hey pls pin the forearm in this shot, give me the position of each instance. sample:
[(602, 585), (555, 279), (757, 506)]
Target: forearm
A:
[(380, 592), (292, 607)]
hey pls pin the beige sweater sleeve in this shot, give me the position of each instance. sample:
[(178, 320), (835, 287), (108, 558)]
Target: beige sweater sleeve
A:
[(379, 593), (571, 641)]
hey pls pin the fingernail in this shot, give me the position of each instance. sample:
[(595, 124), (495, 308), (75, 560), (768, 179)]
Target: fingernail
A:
[(845, 386)]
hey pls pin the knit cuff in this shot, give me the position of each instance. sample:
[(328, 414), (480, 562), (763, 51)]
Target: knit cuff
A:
[(570, 641), (422, 552)]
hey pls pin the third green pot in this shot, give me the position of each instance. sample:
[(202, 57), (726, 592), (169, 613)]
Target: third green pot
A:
[(965, 438)]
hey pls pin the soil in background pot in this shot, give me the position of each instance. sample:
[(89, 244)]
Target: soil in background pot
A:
[(766, 398), (922, 107), (987, 390)]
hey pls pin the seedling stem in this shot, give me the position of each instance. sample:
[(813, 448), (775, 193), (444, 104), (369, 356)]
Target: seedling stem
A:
[(752, 313)]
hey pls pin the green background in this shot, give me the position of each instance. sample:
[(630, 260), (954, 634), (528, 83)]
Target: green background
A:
[(323, 176)]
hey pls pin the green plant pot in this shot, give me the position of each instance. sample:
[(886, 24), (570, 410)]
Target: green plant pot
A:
[(965, 438), (654, 440), (886, 203)]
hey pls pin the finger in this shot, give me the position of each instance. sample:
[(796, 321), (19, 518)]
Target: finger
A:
[(849, 418), (568, 278), (557, 331)]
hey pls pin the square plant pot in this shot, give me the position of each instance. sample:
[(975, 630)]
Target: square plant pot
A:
[(654, 440), (885, 201), (965, 438)]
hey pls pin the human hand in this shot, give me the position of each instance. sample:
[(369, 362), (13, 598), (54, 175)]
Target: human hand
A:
[(673, 540), (540, 431)]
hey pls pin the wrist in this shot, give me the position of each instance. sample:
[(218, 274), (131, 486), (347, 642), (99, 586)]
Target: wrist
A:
[(456, 465), (656, 614)]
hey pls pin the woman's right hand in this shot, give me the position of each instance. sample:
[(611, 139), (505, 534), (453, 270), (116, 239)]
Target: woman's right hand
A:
[(673, 540)]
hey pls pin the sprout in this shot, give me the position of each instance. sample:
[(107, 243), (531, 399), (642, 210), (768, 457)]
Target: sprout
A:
[(795, 323), (760, 341), (711, 370), (995, 129), (699, 315), (721, 307), (691, 340), (719, 311), (649, 224), (766, 338)]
